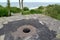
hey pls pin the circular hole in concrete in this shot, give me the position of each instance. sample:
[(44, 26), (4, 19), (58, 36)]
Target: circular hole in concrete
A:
[(26, 30)]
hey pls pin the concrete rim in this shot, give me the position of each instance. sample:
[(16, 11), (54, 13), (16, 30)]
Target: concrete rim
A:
[(20, 33)]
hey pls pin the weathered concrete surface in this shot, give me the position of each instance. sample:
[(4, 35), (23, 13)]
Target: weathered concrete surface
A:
[(14, 30), (52, 24)]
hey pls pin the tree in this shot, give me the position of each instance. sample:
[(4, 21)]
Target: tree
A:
[(19, 4), (8, 5), (22, 5)]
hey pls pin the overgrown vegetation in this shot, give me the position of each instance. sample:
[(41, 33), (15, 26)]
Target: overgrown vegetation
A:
[(25, 9), (50, 10), (53, 11), (32, 11), (4, 10), (15, 10)]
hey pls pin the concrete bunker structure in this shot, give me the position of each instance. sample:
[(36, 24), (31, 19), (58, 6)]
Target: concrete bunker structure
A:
[(27, 29)]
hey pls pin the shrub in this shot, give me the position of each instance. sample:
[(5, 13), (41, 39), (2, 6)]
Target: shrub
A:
[(35, 11), (3, 12), (53, 11), (15, 10), (41, 7), (26, 12), (32, 11), (25, 8)]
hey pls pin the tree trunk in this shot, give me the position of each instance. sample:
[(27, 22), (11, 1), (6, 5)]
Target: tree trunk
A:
[(8, 5), (19, 4), (22, 6)]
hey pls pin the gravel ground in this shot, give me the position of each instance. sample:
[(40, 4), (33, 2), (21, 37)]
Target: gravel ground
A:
[(53, 24)]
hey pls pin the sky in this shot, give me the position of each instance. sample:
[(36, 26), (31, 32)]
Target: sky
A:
[(33, 1)]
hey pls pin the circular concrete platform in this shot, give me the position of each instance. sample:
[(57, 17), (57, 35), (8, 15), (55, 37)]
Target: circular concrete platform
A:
[(27, 29), (24, 31)]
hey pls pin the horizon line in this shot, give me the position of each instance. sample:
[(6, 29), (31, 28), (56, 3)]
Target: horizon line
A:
[(52, 2)]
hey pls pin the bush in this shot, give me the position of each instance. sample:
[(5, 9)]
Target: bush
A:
[(26, 12), (32, 11), (3, 12), (53, 11), (41, 7), (15, 10), (26, 9), (35, 11)]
